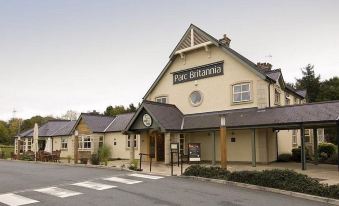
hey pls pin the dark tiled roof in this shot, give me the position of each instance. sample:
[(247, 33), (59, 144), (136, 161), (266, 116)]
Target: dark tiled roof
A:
[(275, 116), (120, 122), (96, 122), (52, 128), (302, 92), (274, 74), (168, 115)]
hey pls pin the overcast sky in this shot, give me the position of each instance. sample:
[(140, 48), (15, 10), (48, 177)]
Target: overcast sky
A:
[(86, 55)]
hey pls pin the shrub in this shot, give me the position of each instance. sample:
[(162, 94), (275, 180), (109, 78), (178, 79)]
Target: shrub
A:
[(284, 157), (26, 157), (134, 165), (209, 172), (296, 154), (328, 148), (104, 153), (276, 178), (95, 159)]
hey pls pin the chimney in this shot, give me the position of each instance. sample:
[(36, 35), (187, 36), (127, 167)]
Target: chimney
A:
[(264, 66), (225, 40)]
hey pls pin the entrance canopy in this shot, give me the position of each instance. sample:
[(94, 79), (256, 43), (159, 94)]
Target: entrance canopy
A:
[(169, 118)]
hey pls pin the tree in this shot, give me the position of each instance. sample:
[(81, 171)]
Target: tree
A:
[(112, 111), (4, 133), (310, 82), (70, 115), (119, 109), (329, 90), (131, 108)]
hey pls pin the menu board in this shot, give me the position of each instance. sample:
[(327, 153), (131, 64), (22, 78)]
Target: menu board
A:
[(194, 152)]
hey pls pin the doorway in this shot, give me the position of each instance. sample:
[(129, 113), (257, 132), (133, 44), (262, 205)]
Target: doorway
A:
[(157, 146)]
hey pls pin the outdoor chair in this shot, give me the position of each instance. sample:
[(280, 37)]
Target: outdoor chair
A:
[(56, 156)]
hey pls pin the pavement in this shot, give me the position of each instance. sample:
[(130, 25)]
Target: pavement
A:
[(25, 183)]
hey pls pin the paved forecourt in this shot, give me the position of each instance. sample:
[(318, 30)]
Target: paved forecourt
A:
[(93, 186)]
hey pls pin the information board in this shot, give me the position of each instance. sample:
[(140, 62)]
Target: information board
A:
[(194, 152)]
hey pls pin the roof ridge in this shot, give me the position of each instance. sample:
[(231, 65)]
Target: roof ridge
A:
[(100, 115), (305, 104), (221, 111)]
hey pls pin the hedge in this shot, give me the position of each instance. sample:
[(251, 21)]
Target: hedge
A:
[(277, 178)]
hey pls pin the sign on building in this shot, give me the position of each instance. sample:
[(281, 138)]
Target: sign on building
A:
[(201, 72), (194, 152)]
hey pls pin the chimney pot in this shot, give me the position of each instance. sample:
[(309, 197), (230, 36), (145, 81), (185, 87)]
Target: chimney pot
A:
[(264, 66), (225, 40)]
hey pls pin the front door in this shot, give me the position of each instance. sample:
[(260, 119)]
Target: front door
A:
[(157, 146), (160, 147)]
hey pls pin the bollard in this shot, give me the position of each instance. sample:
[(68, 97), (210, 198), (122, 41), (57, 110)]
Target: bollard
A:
[(150, 163), (140, 161)]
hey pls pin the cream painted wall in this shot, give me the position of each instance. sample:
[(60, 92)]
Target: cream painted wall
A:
[(217, 91), (120, 150), (70, 146)]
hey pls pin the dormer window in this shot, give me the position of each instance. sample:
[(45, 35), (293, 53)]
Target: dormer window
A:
[(276, 97), (287, 99), (241, 92), (161, 99)]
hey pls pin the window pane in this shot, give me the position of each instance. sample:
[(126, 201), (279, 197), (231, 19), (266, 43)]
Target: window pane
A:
[(237, 97), (237, 88), (245, 87), (245, 96), (195, 97)]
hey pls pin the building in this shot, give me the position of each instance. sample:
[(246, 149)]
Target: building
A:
[(92, 130), (206, 85)]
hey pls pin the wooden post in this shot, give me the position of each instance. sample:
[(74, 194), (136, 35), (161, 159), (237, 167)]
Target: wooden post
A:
[(254, 152), (315, 145), (214, 148), (223, 143), (303, 153), (76, 148)]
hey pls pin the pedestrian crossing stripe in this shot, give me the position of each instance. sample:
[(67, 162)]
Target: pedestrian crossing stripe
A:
[(58, 192), (94, 185), (122, 180), (152, 177), (15, 200)]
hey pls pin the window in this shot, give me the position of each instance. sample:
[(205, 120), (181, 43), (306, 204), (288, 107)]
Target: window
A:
[(232, 139), (321, 136), (241, 92), (296, 100), (182, 144), (307, 135), (29, 144), (85, 143), (196, 98), (64, 143), (101, 141), (129, 141), (287, 99), (276, 97), (294, 138), (162, 99)]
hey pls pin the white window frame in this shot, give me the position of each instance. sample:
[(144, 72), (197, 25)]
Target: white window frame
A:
[(85, 143), (241, 92), (287, 99), (321, 135), (307, 135), (129, 140), (162, 99), (29, 144), (294, 137), (64, 143), (101, 141)]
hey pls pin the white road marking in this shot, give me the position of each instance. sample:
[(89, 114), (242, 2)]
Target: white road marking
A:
[(15, 200), (58, 192), (152, 177), (122, 180), (94, 185)]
